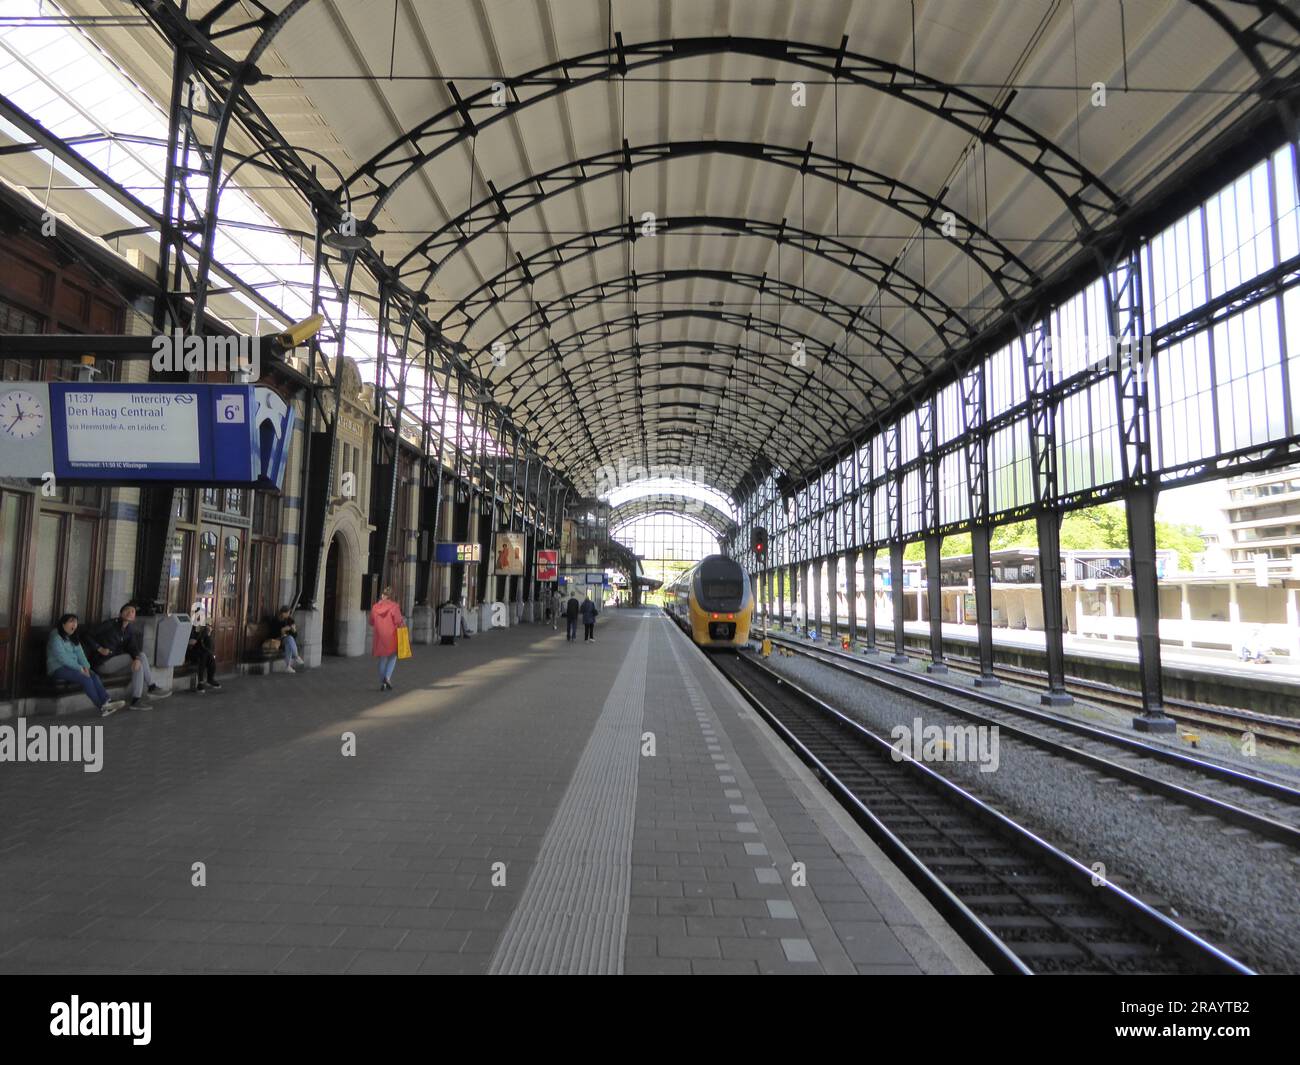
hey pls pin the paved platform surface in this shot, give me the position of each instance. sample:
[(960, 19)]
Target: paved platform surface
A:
[(517, 804)]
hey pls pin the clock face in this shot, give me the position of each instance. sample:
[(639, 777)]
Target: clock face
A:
[(21, 415)]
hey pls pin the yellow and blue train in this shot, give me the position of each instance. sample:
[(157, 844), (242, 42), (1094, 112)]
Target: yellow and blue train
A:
[(713, 602)]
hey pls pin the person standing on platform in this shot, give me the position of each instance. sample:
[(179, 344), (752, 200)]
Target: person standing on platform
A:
[(66, 661), (589, 613), (571, 618), (114, 646), (386, 619), (557, 606)]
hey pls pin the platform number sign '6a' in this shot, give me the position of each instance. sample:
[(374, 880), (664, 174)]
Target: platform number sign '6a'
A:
[(230, 409)]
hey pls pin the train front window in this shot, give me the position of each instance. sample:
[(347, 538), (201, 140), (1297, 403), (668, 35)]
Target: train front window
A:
[(722, 589)]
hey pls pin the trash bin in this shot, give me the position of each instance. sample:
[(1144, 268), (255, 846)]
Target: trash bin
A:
[(448, 622), (172, 640)]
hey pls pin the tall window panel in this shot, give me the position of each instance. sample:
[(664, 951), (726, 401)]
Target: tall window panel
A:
[(1247, 364), (1238, 223), (1184, 415)]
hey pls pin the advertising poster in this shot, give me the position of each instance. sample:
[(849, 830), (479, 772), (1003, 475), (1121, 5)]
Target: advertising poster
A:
[(548, 561), (508, 558)]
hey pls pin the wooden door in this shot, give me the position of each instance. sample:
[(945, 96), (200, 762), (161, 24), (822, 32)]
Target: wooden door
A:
[(220, 578)]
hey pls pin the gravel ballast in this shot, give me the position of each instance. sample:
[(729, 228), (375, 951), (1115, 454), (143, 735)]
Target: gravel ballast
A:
[(1244, 892)]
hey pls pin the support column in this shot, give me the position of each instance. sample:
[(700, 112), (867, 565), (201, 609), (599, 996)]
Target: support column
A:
[(851, 592), (803, 596), (1141, 508), (1049, 579), (869, 597), (979, 543), (780, 596), (896, 595), (934, 594), (817, 583), (833, 593)]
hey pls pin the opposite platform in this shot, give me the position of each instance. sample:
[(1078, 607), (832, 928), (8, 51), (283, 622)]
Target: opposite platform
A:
[(517, 804)]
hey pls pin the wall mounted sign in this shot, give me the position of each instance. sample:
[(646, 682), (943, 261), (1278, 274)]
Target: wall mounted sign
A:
[(547, 564), (447, 554)]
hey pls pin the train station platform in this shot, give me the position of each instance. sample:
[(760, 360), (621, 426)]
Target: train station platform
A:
[(518, 804), (1201, 675)]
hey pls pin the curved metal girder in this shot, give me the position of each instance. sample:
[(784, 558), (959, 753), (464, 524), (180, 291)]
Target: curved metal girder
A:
[(1249, 39), (624, 440), (1081, 191), (770, 418), (577, 342), (1004, 269), (527, 270), (846, 318)]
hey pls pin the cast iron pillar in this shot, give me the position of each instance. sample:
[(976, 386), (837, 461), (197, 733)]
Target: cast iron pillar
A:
[(869, 598), (934, 604), (851, 592), (898, 599), (1141, 508), (979, 545), (1049, 577)]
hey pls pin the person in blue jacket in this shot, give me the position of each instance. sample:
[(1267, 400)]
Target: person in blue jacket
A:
[(66, 661), (589, 613)]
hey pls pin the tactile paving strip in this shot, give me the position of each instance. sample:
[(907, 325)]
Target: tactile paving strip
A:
[(572, 916)]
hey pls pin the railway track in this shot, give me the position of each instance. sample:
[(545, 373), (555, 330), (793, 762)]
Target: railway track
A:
[(1022, 904), (1226, 719), (1267, 807)]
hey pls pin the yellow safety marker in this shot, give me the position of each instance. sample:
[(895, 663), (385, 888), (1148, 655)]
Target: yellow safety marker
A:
[(1192, 738)]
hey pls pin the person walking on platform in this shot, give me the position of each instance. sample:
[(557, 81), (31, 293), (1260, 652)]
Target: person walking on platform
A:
[(66, 661), (589, 613), (386, 619), (114, 646), (286, 631), (557, 606), (571, 619)]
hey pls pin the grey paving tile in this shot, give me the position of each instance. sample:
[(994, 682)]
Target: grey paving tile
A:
[(689, 947)]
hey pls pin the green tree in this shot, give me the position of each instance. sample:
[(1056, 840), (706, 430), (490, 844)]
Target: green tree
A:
[(1100, 528)]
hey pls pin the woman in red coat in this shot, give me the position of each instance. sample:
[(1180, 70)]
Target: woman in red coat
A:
[(386, 619)]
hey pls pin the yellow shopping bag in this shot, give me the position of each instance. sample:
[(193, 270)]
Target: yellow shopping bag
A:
[(403, 642)]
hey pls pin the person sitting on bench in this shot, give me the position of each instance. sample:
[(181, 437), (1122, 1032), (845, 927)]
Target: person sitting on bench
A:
[(114, 647), (199, 654), (66, 661), (284, 629)]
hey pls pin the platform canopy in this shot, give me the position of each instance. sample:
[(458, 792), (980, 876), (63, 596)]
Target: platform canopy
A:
[(726, 237)]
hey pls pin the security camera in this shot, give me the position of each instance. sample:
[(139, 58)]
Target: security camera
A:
[(300, 332)]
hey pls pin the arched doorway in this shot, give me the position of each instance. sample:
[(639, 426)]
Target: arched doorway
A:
[(329, 635)]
